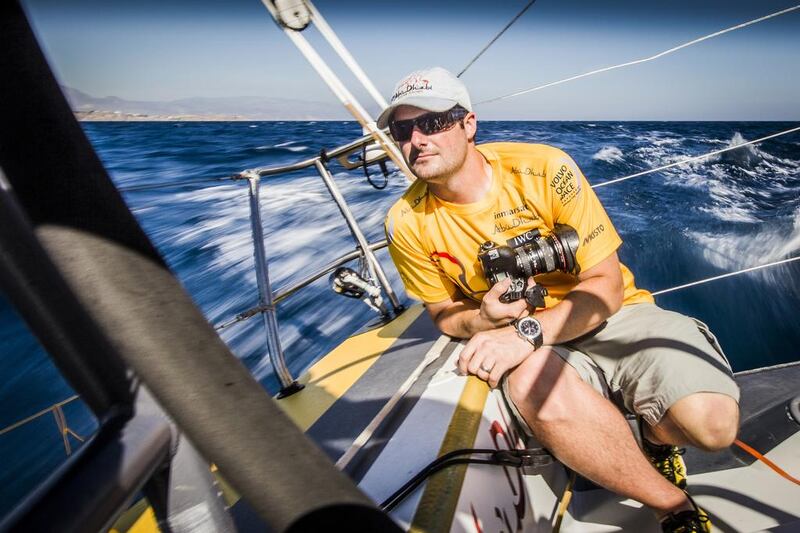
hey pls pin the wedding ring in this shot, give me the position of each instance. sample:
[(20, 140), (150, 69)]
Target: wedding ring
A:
[(487, 370)]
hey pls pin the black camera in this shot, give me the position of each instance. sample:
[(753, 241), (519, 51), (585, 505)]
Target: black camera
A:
[(536, 254)]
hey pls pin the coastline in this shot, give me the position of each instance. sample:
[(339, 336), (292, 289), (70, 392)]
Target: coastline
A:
[(112, 116), (116, 116)]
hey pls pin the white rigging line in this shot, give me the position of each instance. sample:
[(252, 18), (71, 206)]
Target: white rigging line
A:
[(695, 158), (490, 43), (643, 60), (338, 47), (729, 274)]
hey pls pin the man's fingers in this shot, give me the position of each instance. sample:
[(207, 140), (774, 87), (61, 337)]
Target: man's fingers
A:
[(475, 364), (497, 374), (499, 288), (519, 306), (471, 357), (466, 355)]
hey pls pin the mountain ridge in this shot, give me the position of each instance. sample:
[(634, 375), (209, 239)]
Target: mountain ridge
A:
[(88, 107)]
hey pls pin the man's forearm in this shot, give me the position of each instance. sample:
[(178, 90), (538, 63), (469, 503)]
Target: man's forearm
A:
[(597, 296), (462, 319), (583, 309)]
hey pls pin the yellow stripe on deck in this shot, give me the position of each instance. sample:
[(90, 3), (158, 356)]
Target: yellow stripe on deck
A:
[(140, 518), (334, 374), (146, 524), (438, 503)]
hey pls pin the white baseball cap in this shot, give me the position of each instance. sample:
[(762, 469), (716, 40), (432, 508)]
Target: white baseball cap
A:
[(431, 89)]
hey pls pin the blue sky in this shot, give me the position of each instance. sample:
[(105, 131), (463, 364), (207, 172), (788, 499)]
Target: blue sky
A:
[(162, 50)]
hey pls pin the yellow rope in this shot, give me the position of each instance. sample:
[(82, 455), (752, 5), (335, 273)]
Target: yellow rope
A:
[(37, 415), (565, 499), (61, 422)]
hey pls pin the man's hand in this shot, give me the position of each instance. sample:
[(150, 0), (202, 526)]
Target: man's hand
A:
[(490, 354), (500, 314), (464, 317)]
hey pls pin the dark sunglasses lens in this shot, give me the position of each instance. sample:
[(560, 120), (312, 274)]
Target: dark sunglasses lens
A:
[(432, 123), (428, 124), (401, 129), (436, 122)]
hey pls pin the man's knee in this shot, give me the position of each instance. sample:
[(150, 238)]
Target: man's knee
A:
[(540, 387), (709, 420)]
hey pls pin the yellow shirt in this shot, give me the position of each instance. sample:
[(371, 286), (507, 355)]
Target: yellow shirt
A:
[(434, 243)]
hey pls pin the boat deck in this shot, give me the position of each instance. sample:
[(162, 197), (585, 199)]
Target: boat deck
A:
[(345, 398)]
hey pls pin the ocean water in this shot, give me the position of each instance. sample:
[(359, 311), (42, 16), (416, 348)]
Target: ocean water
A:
[(722, 214)]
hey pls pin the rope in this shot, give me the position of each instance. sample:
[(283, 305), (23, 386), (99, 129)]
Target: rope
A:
[(63, 428), (524, 9), (37, 415), (778, 470), (729, 274), (643, 60), (61, 422), (564, 504), (695, 158), (515, 458)]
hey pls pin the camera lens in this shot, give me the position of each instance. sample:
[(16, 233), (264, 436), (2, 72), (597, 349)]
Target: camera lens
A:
[(540, 255), (555, 251)]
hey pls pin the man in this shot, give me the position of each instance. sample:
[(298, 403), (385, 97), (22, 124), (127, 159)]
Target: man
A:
[(599, 339)]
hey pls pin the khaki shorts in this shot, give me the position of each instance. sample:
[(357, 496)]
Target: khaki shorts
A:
[(645, 359)]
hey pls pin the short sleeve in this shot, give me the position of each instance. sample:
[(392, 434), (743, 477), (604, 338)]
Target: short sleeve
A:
[(421, 277), (574, 203)]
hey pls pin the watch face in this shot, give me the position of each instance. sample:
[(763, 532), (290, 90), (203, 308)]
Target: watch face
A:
[(530, 327)]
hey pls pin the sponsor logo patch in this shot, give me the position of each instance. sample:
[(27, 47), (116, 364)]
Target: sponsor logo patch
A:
[(527, 171), (512, 211), (565, 183), (594, 233), (506, 225), (412, 204)]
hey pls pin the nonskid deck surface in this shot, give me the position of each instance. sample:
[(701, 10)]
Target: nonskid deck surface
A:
[(444, 411)]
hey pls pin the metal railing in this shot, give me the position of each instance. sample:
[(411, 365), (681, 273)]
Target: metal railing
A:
[(364, 251), (268, 298), (284, 292)]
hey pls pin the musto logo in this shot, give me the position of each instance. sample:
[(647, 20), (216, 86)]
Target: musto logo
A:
[(595, 232)]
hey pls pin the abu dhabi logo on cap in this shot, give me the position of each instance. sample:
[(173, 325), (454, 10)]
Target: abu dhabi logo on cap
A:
[(410, 84)]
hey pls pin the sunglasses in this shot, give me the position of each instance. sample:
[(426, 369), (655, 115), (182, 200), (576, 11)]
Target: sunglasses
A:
[(428, 124)]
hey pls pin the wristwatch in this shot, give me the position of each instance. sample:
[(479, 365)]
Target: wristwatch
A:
[(530, 329)]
